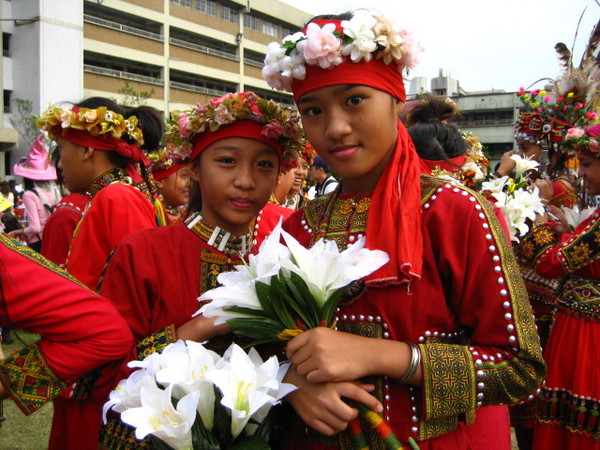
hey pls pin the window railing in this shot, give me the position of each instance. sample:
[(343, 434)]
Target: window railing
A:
[(198, 89), (203, 49), (254, 63), (483, 122), (122, 74), (124, 28), (7, 53)]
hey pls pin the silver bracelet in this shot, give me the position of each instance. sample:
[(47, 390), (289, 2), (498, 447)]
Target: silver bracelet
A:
[(415, 362)]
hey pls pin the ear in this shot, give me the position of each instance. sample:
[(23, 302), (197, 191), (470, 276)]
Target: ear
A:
[(88, 152), (398, 106), (159, 184), (195, 171)]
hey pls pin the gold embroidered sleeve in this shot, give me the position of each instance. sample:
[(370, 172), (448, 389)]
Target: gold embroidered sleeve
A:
[(156, 342), (536, 243), (29, 380)]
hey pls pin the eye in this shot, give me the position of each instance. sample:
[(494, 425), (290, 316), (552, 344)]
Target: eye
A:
[(226, 160), (266, 164), (311, 111), (355, 100)]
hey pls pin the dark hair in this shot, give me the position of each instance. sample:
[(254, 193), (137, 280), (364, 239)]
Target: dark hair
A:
[(347, 15), (436, 141), (150, 121), (195, 202), (432, 108), (28, 184)]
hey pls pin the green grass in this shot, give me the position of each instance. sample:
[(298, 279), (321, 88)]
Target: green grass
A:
[(21, 432)]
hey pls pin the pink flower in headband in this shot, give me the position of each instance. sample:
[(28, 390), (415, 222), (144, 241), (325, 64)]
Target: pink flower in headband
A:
[(272, 130), (575, 133), (183, 125), (594, 145), (321, 46)]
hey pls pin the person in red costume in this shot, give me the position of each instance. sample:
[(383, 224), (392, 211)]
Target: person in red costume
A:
[(444, 328), (567, 410), (155, 276), (100, 148), (80, 333)]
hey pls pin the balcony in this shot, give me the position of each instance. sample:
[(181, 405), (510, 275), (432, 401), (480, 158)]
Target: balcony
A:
[(197, 89), (204, 49), (122, 75), (123, 28)]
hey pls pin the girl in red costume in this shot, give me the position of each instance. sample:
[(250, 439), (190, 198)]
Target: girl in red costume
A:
[(445, 327), (155, 276), (566, 414), (80, 332), (100, 148)]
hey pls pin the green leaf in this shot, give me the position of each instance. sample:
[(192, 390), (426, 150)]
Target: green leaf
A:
[(250, 443), (280, 303), (332, 303), (201, 437)]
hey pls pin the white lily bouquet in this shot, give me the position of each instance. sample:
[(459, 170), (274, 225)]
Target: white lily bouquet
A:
[(518, 203), (190, 397), (287, 289)]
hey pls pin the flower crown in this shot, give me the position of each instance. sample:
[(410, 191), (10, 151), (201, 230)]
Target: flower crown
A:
[(577, 140), (184, 126), (362, 37), (166, 158), (475, 168), (100, 121)]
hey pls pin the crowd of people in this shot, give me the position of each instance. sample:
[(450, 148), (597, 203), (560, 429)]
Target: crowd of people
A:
[(131, 219)]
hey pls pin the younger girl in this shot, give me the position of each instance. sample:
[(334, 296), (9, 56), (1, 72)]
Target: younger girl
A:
[(171, 172), (445, 327), (568, 407), (155, 276), (100, 145)]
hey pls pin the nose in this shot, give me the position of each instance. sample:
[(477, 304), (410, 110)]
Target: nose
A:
[(337, 125), (580, 172), (245, 178)]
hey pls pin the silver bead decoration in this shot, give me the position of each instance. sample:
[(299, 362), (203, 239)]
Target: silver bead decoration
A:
[(492, 248), (512, 339)]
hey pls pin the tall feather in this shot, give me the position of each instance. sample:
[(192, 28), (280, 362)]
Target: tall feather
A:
[(564, 56)]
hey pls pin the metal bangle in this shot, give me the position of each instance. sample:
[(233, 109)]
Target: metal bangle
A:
[(415, 362)]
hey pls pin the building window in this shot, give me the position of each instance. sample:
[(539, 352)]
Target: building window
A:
[(207, 7), (6, 44), (7, 101), (251, 22), (229, 14), (271, 29), (187, 3), (285, 32)]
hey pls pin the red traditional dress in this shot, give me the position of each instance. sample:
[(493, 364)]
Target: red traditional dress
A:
[(117, 208), (60, 227), (80, 332), (468, 313), (542, 296), (154, 278), (568, 407)]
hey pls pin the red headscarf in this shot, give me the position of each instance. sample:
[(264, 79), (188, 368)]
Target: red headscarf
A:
[(394, 220), (107, 142)]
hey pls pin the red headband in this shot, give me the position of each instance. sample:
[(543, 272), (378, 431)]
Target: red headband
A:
[(105, 142), (374, 73), (244, 129), (160, 174)]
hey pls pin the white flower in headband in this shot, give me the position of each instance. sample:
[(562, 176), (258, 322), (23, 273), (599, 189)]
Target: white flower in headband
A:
[(363, 37)]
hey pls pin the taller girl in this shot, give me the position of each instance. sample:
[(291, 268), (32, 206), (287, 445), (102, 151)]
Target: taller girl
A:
[(445, 327)]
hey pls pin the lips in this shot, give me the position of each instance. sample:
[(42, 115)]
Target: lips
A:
[(344, 152), (241, 203)]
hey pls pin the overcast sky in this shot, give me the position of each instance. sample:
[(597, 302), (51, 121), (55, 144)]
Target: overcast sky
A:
[(484, 44)]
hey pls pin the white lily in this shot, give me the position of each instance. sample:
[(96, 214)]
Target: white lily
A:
[(495, 185), (186, 373), (241, 294), (325, 269), (246, 387), (522, 165), (575, 216), (127, 393), (157, 416)]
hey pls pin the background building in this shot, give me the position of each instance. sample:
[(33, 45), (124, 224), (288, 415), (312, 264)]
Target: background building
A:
[(172, 53), (490, 115)]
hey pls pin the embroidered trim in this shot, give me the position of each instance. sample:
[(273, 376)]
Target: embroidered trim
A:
[(156, 342), (584, 248), (29, 380), (581, 297), (577, 414), (116, 435), (116, 175)]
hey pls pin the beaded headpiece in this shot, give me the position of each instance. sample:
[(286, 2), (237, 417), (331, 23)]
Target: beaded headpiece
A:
[(242, 114), (328, 44)]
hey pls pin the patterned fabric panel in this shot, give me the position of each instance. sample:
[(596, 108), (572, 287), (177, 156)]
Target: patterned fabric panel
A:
[(29, 380), (115, 435), (581, 296), (563, 409), (156, 342)]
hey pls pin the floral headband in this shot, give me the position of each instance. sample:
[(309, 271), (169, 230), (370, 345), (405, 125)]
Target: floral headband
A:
[(565, 108), (166, 161), (186, 129), (578, 140), (361, 38), (97, 122)]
